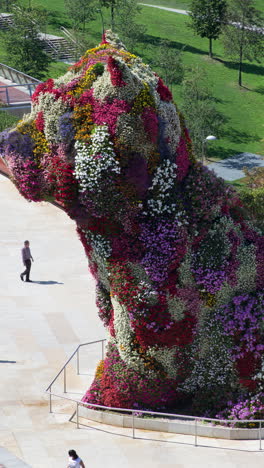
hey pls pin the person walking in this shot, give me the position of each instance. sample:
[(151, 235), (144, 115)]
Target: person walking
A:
[(74, 460), (26, 258)]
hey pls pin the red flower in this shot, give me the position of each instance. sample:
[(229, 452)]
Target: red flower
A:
[(163, 91)]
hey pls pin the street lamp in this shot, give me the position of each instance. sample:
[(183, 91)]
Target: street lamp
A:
[(208, 138)]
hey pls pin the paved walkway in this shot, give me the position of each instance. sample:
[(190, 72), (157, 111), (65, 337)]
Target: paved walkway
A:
[(18, 94), (8, 460), (41, 323), (174, 10), (232, 168)]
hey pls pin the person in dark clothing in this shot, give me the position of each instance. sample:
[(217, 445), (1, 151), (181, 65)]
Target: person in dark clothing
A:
[(26, 258)]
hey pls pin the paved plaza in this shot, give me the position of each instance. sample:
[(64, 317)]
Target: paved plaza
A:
[(41, 324)]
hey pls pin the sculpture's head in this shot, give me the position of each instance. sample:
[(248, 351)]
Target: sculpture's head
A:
[(97, 135)]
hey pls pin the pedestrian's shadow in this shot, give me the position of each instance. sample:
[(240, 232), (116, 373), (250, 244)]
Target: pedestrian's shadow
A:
[(46, 282)]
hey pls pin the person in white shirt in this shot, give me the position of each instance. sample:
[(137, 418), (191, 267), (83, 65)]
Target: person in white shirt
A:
[(74, 460)]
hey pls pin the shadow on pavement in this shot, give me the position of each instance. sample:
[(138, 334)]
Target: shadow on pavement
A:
[(46, 282), (7, 362)]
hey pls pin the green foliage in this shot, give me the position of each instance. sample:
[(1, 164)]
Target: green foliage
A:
[(80, 12), (113, 5), (252, 194), (253, 199), (7, 120), (6, 5), (24, 48), (244, 41), (207, 17), (126, 24), (168, 60), (199, 109)]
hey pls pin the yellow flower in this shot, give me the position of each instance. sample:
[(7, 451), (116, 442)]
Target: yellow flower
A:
[(99, 370)]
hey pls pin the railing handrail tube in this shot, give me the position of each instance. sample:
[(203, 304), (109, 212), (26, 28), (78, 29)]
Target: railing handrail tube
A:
[(70, 358), (18, 72), (18, 85), (68, 34), (134, 410)]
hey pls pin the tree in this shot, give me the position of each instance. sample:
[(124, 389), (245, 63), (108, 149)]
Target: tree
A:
[(6, 5), (23, 46), (80, 12), (199, 109), (243, 38), (252, 195), (169, 61), (113, 5), (207, 18), (126, 24)]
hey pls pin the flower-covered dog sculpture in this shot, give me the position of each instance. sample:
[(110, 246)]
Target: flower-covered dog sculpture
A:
[(179, 271)]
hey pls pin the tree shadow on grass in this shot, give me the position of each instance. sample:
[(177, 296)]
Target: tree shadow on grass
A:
[(259, 89), (237, 136), (251, 68), (56, 20), (218, 153), (150, 40)]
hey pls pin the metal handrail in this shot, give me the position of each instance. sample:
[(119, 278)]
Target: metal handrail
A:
[(30, 87), (69, 35), (8, 72), (63, 369), (132, 410), (134, 414)]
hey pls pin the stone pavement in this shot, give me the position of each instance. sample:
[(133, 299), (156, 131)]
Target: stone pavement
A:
[(232, 168), (41, 324), (8, 460)]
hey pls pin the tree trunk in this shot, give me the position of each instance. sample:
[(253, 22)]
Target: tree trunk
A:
[(210, 48), (240, 66), (112, 16)]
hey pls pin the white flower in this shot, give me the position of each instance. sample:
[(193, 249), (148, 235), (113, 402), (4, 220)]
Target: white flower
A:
[(94, 163)]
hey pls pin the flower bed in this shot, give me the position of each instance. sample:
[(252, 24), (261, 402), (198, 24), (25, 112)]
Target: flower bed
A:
[(178, 269)]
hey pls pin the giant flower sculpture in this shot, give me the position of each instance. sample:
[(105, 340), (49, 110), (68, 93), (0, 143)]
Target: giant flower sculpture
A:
[(179, 273)]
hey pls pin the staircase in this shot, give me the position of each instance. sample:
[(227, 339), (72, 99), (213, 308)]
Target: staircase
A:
[(58, 47), (5, 21)]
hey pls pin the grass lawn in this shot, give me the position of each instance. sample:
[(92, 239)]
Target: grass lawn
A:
[(243, 107)]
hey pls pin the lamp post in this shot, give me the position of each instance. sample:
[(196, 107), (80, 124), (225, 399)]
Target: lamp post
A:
[(208, 138)]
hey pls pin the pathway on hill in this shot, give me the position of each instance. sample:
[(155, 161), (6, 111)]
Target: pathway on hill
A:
[(174, 10), (232, 168)]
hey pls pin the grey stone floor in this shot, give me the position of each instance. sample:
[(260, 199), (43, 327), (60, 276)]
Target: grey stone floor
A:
[(41, 324), (232, 168), (8, 460)]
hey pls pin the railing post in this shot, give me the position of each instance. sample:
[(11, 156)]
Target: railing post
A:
[(7, 97), (64, 380), (77, 416), (78, 362), (102, 350), (195, 433), (260, 436), (133, 424), (50, 402)]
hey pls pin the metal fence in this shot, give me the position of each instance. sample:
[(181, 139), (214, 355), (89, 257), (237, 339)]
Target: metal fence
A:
[(16, 76), (132, 412), (11, 95)]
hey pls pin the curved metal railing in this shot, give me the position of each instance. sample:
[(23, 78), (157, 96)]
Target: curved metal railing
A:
[(131, 411)]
